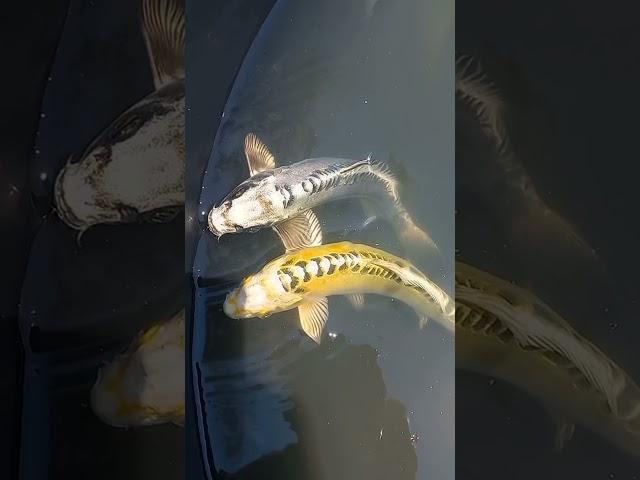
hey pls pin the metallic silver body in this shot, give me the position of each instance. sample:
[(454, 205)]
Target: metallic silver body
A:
[(275, 195)]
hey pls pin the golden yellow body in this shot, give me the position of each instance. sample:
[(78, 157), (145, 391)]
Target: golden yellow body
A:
[(305, 276)]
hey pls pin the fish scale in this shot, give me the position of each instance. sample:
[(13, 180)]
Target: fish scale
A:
[(504, 331), (298, 273), (277, 196), (304, 277)]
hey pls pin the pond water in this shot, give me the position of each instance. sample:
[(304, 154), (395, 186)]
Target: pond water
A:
[(81, 305), (376, 398)]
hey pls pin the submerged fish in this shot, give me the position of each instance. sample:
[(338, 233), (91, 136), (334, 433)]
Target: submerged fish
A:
[(304, 278), (496, 116), (505, 332), (277, 197), (145, 385), (134, 170)]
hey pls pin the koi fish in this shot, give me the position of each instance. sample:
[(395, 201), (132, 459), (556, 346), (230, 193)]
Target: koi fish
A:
[(496, 116), (145, 385), (277, 197), (303, 278), (506, 332), (134, 170)]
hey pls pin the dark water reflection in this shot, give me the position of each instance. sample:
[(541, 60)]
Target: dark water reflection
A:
[(82, 305), (376, 398), (571, 132), (277, 422)]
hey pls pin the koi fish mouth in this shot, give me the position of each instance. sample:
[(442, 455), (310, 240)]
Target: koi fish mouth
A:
[(62, 207), (218, 225), (235, 308), (230, 307)]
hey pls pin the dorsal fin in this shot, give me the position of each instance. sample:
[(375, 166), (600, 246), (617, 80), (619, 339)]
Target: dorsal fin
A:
[(163, 26), (259, 157), (356, 300), (300, 231), (475, 87)]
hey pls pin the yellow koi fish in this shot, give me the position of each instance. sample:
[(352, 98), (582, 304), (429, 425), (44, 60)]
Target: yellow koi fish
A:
[(303, 278), (506, 332), (145, 385)]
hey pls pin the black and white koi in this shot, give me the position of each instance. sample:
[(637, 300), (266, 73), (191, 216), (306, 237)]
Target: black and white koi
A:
[(277, 196), (134, 170)]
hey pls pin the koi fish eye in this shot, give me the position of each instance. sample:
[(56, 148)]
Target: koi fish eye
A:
[(239, 191), (124, 128), (103, 156)]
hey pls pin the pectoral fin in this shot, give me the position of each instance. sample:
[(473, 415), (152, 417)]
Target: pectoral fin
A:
[(163, 26), (564, 433), (259, 157), (371, 212), (300, 231), (356, 300), (313, 317)]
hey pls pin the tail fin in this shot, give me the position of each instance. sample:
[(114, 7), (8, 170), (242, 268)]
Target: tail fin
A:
[(413, 234), (438, 304), (409, 231)]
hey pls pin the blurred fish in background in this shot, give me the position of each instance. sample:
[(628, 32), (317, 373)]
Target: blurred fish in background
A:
[(529, 116), (134, 170), (145, 385), (502, 113), (506, 332)]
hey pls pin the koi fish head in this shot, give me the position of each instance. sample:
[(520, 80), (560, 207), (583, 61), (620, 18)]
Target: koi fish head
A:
[(134, 166), (253, 204), (259, 295)]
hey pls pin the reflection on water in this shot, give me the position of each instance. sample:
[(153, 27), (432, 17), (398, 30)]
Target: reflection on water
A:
[(283, 411), (81, 305), (375, 399)]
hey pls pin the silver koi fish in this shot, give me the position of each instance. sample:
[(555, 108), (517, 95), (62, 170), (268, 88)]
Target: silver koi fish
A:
[(134, 170), (277, 196), (505, 332)]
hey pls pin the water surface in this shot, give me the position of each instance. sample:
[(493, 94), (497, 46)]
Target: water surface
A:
[(343, 80)]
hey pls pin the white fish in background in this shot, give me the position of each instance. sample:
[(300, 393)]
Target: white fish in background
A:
[(134, 170), (495, 114), (278, 196), (145, 385), (507, 333)]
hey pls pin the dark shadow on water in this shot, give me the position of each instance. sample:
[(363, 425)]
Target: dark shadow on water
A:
[(322, 79), (569, 117), (297, 413), (82, 304)]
